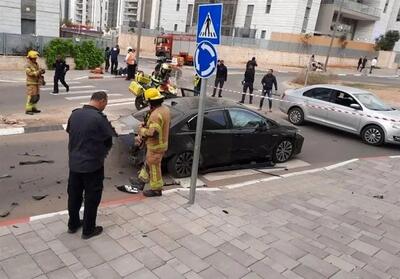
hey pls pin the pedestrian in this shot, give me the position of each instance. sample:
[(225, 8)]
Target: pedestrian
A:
[(34, 79), (364, 63), (130, 61), (268, 81), (373, 64), (154, 132), (114, 59), (221, 77), (107, 55), (90, 140), (61, 68), (252, 63), (248, 82), (360, 61), (197, 85)]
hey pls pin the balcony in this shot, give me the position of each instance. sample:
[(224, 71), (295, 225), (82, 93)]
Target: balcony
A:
[(354, 10)]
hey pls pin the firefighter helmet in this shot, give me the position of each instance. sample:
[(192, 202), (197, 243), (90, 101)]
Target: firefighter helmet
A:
[(33, 54), (152, 94)]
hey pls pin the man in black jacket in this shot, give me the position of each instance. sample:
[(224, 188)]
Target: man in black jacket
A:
[(90, 140), (61, 68), (221, 77), (248, 82), (114, 59), (268, 81)]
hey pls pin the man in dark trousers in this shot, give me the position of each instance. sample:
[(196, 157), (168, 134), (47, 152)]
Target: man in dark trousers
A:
[(221, 77), (90, 140), (248, 82), (364, 63), (61, 68), (268, 81), (360, 61), (107, 58), (114, 59)]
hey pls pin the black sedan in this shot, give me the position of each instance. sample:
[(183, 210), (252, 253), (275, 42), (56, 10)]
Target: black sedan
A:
[(232, 135)]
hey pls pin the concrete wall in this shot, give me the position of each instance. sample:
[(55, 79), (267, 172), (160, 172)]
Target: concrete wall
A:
[(19, 62), (386, 59), (10, 16), (47, 18)]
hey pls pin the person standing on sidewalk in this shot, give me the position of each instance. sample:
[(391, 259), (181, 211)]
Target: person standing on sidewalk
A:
[(34, 79), (252, 63), (107, 58), (373, 64), (364, 63), (360, 61), (114, 59), (90, 140), (221, 77), (248, 82), (268, 81), (61, 68), (130, 61)]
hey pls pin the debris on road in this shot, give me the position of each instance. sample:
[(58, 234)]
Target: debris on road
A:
[(12, 167), (39, 197), (5, 176), (107, 177), (225, 211), (36, 162), (8, 212), (31, 180), (378, 197), (30, 155), (128, 189)]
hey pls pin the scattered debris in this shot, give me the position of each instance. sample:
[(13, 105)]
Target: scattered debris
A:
[(8, 212), (225, 211), (144, 235), (59, 197), (58, 181), (39, 197), (349, 169), (31, 180), (36, 162), (5, 176), (128, 189), (7, 121), (107, 177), (12, 167), (31, 155), (378, 197), (120, 172)]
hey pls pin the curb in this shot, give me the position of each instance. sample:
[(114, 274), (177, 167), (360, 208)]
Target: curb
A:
[(30, 130)]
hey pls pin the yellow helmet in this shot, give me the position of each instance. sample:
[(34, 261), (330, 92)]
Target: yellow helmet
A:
[(33, 54), (152, 94)]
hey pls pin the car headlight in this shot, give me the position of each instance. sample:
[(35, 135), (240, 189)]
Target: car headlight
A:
[(396, 126)]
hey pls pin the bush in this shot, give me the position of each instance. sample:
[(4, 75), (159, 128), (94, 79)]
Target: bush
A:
[(86, 55), (387, 41), (313, 78)]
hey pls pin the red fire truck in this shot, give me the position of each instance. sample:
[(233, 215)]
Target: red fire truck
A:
[(176, 45)]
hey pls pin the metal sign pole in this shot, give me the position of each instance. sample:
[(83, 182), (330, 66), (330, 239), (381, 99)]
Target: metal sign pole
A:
[(197, 143)]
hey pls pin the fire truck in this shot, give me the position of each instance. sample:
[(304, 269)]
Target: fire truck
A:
[(176, 46)]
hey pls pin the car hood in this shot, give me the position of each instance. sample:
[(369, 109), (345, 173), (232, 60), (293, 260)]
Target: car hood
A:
[(289, 128), (393, 114), (126, 125)]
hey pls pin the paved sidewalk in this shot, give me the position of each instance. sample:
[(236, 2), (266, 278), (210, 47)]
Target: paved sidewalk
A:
[(319, 225)]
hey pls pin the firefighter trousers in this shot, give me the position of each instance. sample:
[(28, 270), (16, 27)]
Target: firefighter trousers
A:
[(151, 171)]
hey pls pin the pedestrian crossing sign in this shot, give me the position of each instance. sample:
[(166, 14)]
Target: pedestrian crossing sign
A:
[(209, 23)]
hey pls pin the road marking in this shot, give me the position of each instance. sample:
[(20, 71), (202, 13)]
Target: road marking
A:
[(302, 172), (11, 81), (67, 81), (72, 87), (340, 164), (87, 96), (11, 131), (394, 157), (48, 215), (79, 78), (79, 92), (117, 101), (185, 182), (120, 104), (252, 182)]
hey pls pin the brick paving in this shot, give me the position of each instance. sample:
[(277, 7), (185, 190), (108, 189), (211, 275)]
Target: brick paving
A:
[(320, 225)]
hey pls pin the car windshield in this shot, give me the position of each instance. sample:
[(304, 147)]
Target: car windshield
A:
[(372, 102)]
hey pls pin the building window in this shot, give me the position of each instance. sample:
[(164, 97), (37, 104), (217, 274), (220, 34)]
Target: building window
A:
[(175, 27), (178, 5), (386, 6), (306, 16), (249, 16), (268, 8), (263, 34)]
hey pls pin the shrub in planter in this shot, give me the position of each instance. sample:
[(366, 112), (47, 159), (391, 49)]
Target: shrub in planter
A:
[(63, 47), (88, 56), (313, 78)]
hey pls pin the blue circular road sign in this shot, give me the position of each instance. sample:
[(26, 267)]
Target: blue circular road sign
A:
[(205, 60)]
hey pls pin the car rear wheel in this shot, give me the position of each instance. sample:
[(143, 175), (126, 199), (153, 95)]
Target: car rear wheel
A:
[(181, 164), (296, 116), (283, 152), (373, 135)]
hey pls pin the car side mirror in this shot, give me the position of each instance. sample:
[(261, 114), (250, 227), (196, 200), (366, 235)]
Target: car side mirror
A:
[(355, 106), (262, 127)]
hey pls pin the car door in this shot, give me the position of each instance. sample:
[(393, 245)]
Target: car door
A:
[(342, 116), (316, 99), (252, 136), (216, 140)]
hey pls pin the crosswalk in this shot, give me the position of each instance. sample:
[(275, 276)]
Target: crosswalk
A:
[(80, 93)]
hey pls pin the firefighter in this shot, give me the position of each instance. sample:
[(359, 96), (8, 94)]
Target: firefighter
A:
[(162, 77), (197, 84), (154, 134), (34, 78)]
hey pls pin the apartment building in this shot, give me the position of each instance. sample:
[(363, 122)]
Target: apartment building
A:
[(39, 17), (90, 12)]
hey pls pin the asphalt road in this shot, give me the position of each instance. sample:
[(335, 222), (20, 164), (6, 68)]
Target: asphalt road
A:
[(322, 146)]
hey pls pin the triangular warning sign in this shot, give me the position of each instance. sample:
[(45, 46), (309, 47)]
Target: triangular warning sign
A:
[(207, 30)]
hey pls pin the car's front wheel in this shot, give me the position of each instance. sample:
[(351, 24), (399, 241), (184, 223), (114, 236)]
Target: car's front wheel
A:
[(283, 152), (296, 116), (180, 165), (373, 135)]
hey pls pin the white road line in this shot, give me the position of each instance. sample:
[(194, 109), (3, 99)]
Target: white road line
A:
[(11, 81), (72, 87), (121, 104), (394, 156), (123, 100), (12, 131), (48, 84), (340, 164), (252, 182), (79, 78), (48, 215), (79, 92), (302, 172), (87, 96)]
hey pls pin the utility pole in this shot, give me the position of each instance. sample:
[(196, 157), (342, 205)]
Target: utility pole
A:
[(159, 16), (333, 34), (139, 32)]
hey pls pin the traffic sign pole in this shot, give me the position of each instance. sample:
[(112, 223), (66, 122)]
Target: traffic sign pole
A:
[(197, 143)]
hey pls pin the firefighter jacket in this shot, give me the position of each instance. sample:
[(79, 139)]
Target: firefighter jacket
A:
[(156, 130), (33, 74)]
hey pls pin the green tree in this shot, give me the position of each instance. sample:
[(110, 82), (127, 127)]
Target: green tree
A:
[(88, 56), (63, 47), (387, 41)]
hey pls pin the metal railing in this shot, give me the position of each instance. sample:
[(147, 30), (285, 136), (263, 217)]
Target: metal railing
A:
[(356, 7)]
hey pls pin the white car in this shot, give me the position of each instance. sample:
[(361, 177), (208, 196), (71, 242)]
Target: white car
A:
[(346, 108)]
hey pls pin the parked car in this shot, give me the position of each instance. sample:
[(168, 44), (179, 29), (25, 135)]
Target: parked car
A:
[(232, 135), (345, 108)]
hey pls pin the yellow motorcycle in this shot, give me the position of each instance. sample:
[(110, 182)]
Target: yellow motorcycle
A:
[(143, 82)]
